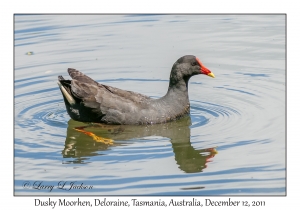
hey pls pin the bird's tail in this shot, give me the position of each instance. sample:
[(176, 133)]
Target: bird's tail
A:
[(64, 86)]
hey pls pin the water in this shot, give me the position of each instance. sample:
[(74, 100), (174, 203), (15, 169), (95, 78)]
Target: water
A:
[(233, 143)]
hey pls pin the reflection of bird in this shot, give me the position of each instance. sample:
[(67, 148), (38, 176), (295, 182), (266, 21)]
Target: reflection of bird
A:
[(191, 160), (84, 144), (88, 101)]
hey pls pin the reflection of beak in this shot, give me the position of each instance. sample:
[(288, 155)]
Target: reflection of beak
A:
[(211, 75), (214, 149)]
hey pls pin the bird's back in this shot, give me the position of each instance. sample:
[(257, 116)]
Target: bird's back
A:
[(101, 103)]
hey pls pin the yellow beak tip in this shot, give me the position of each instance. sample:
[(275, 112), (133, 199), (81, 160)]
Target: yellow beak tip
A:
[(211, 75)]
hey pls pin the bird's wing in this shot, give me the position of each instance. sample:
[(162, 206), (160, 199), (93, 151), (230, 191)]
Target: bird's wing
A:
[(115, 103), (133, 96), (77, 75)]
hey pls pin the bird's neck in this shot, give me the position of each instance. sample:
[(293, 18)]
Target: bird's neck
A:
[(175, 103), (178, 91)]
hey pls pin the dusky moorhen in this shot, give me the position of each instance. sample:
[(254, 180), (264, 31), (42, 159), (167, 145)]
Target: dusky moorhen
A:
[(88, 101)]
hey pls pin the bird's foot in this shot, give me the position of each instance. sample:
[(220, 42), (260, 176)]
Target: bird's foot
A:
[(95, 137)]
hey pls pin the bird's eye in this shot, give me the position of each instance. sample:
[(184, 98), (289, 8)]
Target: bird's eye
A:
[(194, 63)]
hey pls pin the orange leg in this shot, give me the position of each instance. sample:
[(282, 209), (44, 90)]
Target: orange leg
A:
[(96, 138)]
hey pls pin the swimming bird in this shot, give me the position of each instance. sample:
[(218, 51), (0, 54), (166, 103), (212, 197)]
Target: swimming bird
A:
[(89, 101)]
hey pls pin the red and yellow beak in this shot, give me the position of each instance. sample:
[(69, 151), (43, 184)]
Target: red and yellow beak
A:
[(205, 70)]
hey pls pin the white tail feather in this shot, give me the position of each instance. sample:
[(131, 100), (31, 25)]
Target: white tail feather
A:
[(66, 94)]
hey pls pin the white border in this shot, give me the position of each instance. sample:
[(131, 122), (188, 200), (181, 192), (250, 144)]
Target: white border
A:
[(135, 6)]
